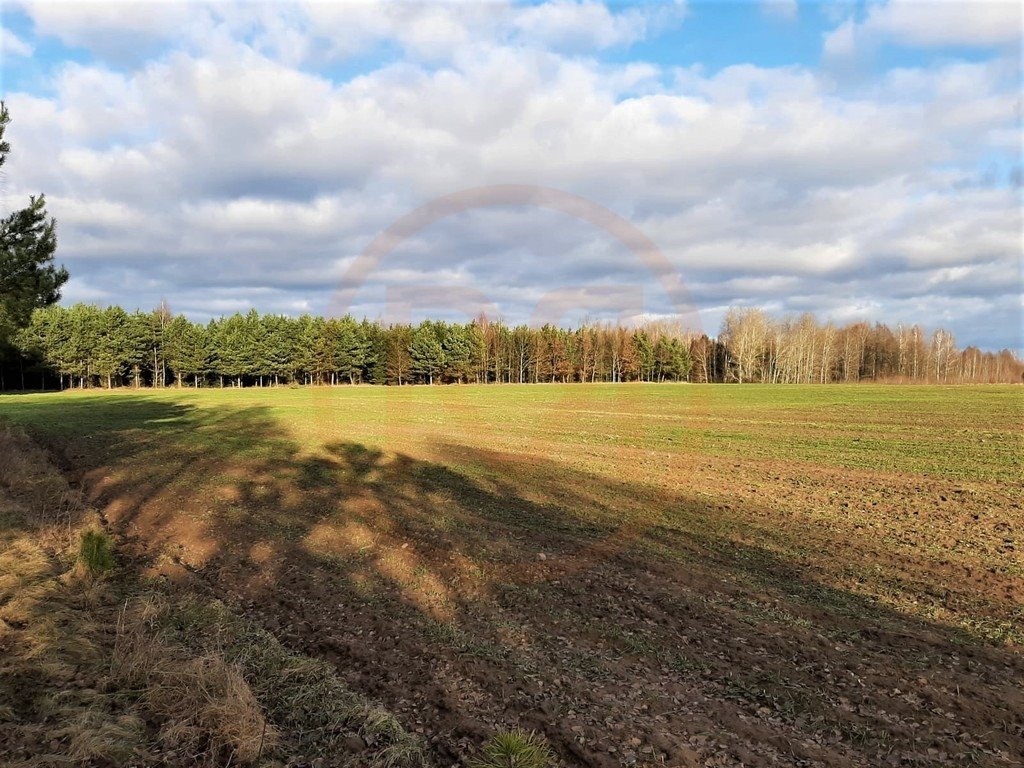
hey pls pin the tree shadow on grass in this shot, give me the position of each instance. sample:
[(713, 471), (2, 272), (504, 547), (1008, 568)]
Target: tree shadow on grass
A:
[(488, 587)]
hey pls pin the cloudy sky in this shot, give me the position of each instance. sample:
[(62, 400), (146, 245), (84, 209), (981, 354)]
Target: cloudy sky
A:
[(854, 160)]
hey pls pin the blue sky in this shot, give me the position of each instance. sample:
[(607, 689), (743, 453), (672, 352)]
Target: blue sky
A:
[(710, 35), (857, 160)]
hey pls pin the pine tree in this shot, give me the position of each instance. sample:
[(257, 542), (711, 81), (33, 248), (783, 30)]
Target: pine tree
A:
[(426, 352), (301, 361), (139, 340), (212, 332), (232, 348), (321, 350), (279, 339), (671, 359), (643, 355), (112, 350), (188, 350), (457, 353), (28, 241), (84, 321), (398, 359), (374, 342), (38, 340), (348, 348), (256, 363)]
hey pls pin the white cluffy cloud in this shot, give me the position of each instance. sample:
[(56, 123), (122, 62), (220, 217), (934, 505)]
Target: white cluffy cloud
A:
[(12, 45), (930, 24), (231, 164), (302, 29)]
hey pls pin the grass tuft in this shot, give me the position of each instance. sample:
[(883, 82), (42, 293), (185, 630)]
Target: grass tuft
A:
[(515, 749), (311, 709)]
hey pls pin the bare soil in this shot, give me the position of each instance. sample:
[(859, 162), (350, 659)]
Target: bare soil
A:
[(678, 609)]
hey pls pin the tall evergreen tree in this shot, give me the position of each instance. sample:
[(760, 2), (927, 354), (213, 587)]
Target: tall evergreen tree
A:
[(188, 350), (112, 351), (643, 354), (348, 348), (375, 339), (398, 357), (279, 338), (257, 363), (140, 341), (29, 279), (425, 352), (321, 350), (301, 361), (671, 359), (457, 352), (232, 348)]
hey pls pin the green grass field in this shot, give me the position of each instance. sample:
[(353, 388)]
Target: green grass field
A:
[(584, 453), (965, 432), (740, 542)]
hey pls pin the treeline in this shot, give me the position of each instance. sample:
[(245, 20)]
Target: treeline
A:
[(754, 347), (85, 346)]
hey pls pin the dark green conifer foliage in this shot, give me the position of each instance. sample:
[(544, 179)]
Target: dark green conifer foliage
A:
[(426, 352), (86, 346), (29, 279)]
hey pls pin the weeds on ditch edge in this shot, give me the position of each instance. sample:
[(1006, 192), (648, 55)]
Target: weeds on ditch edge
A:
[(99, 666)]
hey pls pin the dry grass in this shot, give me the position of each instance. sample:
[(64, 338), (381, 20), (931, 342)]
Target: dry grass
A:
[(207, 712), (52, 624), (52, 652), (99, 668), (37, 488), (302, 696)]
